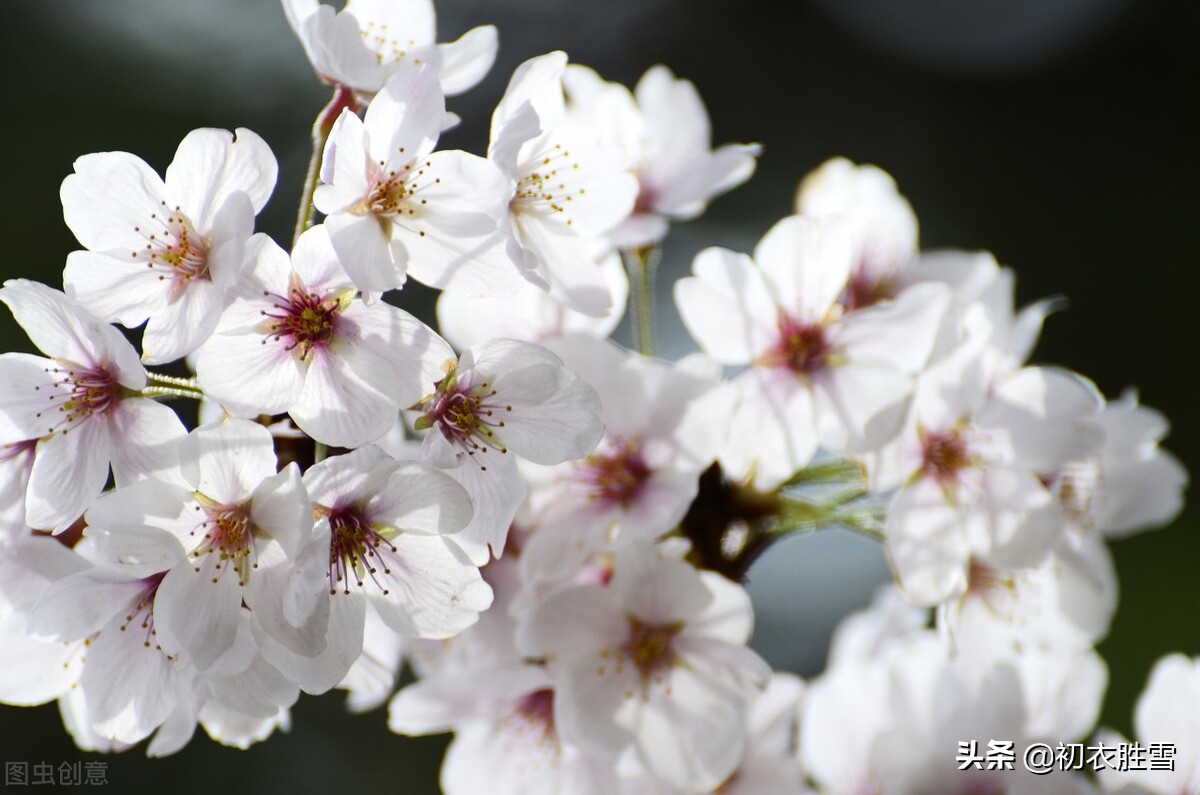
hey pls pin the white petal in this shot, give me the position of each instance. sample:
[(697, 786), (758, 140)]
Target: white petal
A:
[(466, 61), (280, 507), (345, 165), (926, 543), (572, 624), (25, 397), (432, 590), (727, 307), (196, 612), (62, 329), (183, 325), (114, 289), (365, 251), (80, 605), (108, 198), (420, 499), (234, 457), (497, 491), (555, 414), (808, 262), (211, 164), (242, 369), (405, 118), (68, 473), (146, 436), (337, 408)]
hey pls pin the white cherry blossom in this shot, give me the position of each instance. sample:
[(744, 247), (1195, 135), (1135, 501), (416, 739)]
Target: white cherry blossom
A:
[(655, 660), (368, 41), (882, 224), (209, 529), (166, 253), (819, 376), (297, 340), (530, 313), (80, 406), (395, 207), (380, 540), (1168, 712), (505, 398), (568, 188), (639, 481), (972, 489), (662, 132)]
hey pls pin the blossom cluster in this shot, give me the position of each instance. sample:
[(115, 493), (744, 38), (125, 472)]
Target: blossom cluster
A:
[(549, 530)]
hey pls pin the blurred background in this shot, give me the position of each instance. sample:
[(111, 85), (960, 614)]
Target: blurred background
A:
[(1060, 134)]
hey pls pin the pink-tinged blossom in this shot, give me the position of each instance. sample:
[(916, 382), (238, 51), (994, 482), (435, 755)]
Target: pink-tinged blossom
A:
[(504, 727), (380, 540), (210, 530), (655, 661), (818, 375), (568, 188), (882, 224), (368, 41), (297, 340), (1065, 601), (80, 407), (395, 207), (972, 487), (639, 481), (166, 253), (662, 133), (503, 399), (130, 685)]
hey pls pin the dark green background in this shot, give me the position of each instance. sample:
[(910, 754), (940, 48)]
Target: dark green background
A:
[(1073, 162)]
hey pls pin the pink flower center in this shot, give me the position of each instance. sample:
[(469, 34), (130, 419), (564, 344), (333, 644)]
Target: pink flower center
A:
[(803, 348), (943, 455), (355, 550), (651, 646), (303, 321), (173, 248), (616, 476), (78, 395), (466, 416), (865, 290), (227, 534)]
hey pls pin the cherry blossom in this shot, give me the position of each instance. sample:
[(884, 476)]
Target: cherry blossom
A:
[(654, 660), (209, 529), (380, 540), (166, 253), (81, 406), (368, 41), (818, 376), (662, 132), (297, 340), (568, 187), (505, 398), (395, 206)]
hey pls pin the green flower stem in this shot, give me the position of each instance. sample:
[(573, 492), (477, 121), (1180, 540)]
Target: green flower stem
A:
[(642, 265), (837, 471), (343, 99)]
